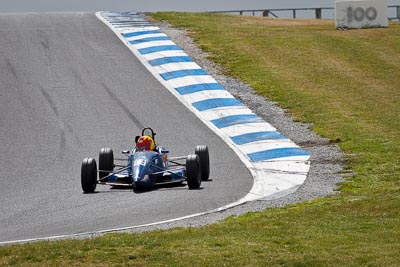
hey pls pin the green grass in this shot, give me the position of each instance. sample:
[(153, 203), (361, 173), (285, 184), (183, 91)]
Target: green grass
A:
[(348, 84)]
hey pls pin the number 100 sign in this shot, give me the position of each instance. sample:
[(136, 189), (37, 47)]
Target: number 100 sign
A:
[(361, 14)]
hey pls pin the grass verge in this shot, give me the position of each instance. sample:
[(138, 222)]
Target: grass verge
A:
[(348, 84)]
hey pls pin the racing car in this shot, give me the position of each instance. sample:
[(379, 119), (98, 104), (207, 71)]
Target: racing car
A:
[(145, 168)]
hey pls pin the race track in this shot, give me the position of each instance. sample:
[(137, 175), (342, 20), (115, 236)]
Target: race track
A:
[(68, 87)]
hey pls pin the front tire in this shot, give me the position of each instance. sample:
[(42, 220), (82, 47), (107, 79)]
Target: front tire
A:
[(106, 163), (193, 171), (89, 175), (202, 151)]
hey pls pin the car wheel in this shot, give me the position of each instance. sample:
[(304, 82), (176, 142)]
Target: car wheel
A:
[(193, 171), (202, 151), (106, 162), (89, 175)]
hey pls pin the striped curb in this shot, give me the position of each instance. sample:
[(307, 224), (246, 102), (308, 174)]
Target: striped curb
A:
[(277, 164)]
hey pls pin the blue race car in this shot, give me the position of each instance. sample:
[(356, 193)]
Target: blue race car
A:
[(147, 165)]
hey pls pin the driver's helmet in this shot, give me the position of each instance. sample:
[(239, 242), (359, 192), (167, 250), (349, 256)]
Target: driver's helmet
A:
[(145, 143)]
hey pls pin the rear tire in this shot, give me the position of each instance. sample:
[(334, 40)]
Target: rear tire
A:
[(193, 171), (202, 151), (89, 175), (106, 162)]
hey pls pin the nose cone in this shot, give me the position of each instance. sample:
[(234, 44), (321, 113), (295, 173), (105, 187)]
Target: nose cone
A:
[(143, 182), (140, 169), (138, 172)]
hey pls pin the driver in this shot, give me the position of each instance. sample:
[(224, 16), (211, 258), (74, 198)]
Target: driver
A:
[(145, 143)]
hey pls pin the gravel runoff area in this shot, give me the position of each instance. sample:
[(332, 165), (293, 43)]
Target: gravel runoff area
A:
[(326, 157)]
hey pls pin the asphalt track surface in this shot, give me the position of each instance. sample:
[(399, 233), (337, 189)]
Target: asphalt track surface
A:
[(68, 87)]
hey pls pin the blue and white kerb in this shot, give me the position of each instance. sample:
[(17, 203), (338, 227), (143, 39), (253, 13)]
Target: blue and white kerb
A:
[(277, 164)]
